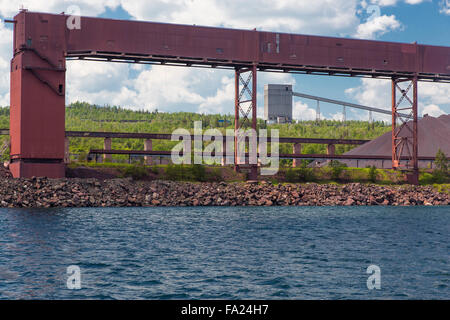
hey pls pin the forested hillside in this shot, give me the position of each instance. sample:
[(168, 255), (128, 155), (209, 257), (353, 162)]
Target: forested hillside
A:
[(85, 117)]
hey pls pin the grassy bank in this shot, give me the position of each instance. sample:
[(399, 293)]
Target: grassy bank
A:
[(201, 173)]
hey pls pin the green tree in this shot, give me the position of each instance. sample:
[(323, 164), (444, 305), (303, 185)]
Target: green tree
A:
[(372, 175), (441, 172), (336, 169)]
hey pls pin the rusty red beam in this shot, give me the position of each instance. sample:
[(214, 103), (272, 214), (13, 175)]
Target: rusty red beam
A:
[(174, 44), (168, 136), (232, 65), (281, 156)]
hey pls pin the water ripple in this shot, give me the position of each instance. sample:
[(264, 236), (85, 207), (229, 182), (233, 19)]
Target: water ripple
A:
[(225, 253)]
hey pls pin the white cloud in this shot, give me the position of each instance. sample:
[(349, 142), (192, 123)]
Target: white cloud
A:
[(373, 93), (432, 110), (301, 111), (5, 56), (320, 16), (394, 2), (434, 98), (99, 83), (415, 1), (156, 87), (10, 8), (445, 7), (222, 101), (160, 87), (437, 93), (92, 77), (338, 116), (377, 26), (384, 2)]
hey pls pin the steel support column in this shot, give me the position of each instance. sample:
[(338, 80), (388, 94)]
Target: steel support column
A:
[(38, 70), (245, 104), (404, 132)]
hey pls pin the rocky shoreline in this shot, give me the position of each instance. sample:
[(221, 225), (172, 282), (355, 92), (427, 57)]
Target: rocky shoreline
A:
[(76, 192)]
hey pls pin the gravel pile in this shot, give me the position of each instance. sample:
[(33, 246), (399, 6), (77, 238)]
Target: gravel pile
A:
[(433, 133), (43, 192)]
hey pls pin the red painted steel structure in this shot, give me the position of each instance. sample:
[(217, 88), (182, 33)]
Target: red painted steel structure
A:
[(404, 135), (168, 136), (281, 155), (42, 44), (245, 102)]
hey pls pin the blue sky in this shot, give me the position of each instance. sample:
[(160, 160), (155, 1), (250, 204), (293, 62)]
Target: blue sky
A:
[(209, 91)]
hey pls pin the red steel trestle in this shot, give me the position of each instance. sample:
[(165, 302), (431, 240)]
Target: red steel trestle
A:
[(245, 105), (404, 133)]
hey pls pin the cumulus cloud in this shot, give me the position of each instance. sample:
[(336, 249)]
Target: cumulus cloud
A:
[(160, 87), (432, 110), (5, 56), (415, 1), (373, 93), (437, 93), (377, 26), (394, 2), (222, 101), (282, 15), (96, 82), (338, 116), (445, 7), (320, 16), (157, 87), (10, 8), (301, 111), (434, 98)]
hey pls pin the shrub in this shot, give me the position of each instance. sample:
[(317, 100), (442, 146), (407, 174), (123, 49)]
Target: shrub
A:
[(442, 163), (300, 174), (154, 169), (426, 178), (174, 172), (336, 169), (215, 174), (136, 172), (4, 156), (372, 175), (441, 172), (82, 156), (291, 175), (198, 172)]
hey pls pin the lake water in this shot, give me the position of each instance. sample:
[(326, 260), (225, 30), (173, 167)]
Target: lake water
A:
[(225, 252)]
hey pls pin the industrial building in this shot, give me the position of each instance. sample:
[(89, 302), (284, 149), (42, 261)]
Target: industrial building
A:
[(278, 103)]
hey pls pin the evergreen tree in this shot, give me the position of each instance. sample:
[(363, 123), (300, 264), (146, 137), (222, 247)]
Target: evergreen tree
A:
[(441, 172)]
